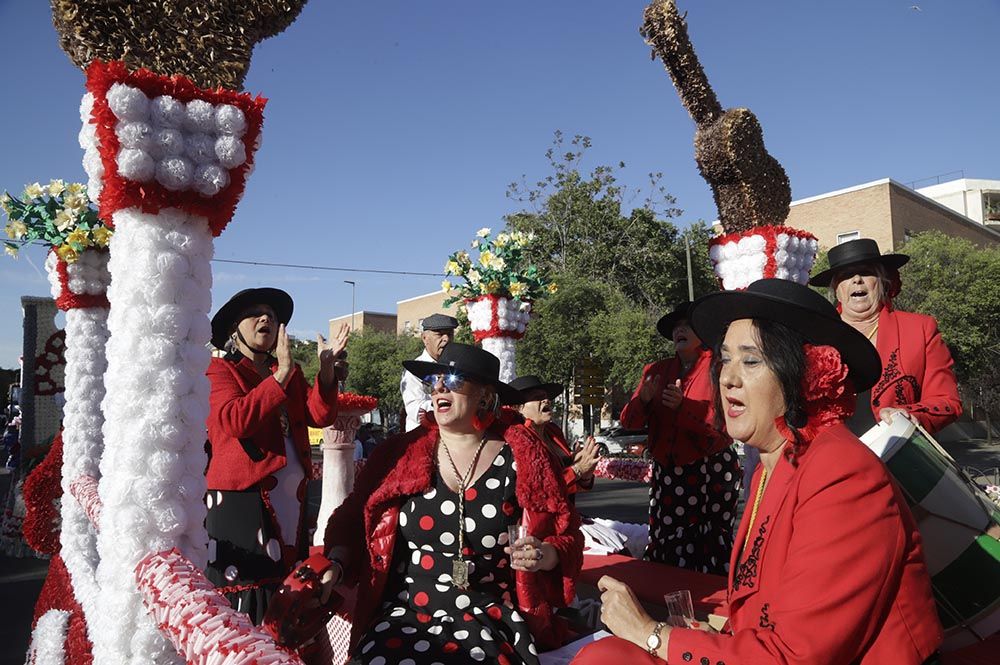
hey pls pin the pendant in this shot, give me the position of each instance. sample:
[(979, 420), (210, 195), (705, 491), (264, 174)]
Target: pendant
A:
[(460, 573)]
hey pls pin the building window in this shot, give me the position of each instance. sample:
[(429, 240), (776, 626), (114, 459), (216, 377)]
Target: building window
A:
[(407, 327), (847, 237), (991, 207)]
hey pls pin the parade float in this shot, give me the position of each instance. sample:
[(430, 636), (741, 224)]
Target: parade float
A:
[(168, 141), (499, 288)]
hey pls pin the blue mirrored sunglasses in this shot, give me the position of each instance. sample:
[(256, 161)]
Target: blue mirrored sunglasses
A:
[(450, 381)]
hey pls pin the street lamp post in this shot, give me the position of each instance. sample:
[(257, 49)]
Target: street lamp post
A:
[(353, 301)]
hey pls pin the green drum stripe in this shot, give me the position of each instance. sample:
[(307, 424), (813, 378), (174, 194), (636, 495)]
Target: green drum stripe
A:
[(969, 585), (917, 467)]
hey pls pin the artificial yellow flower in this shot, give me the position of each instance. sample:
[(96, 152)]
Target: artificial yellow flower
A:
[(446, 286), (16, 230), (79, 237), (33, 191), (518, 289), (473, 276), (491, 261), (553, 287), (67, 253), (74, 189), (475, 244), (11, 251), (5, 202), (501, 240), (64, 219), (463, 258), (483, 232), (452, 268), (101, 235), (492, 286), (75, 201), (56, 187)]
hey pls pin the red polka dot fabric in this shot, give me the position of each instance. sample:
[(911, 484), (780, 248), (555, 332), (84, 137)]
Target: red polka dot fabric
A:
[(425, 618)]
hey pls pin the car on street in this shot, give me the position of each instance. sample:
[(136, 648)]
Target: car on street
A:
[(620, 441)]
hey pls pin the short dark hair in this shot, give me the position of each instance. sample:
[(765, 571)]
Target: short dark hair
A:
[(783, 351)]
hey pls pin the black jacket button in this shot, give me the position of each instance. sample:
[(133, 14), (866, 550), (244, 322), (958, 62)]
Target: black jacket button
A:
[(687, 656), (706, 661)]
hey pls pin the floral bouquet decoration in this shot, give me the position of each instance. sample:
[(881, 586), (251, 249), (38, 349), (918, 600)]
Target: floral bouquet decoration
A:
[(498, 291)]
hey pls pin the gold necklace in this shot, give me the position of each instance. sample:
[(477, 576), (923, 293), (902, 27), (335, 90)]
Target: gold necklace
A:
[(873, 331), (459, 566), (756, 505)]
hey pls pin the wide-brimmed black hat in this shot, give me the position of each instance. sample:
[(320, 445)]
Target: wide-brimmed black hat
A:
[(226, 317), (798, 307), (853, 253), (529, 382), (470, 362), (667, 322)]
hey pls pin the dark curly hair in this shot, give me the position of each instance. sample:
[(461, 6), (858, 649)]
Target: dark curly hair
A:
[(783, 351)]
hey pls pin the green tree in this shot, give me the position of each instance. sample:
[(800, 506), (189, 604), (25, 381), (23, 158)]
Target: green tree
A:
[(583, 229), (304, 353), (376, 366)]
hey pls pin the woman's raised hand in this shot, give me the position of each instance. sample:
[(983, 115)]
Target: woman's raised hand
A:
[(283, 352), (331, 366)]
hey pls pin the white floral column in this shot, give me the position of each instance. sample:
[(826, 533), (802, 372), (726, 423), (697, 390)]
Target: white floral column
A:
[(80, 288), (763, 252), (497, 323), (169, 162)]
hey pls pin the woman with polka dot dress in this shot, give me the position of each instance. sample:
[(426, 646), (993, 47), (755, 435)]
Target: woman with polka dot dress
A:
[(696, 476), (424, 535), (260, 408)]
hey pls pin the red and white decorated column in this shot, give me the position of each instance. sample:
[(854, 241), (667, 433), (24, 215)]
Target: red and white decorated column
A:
[(80, 289), (497, 322), (167, 163), (338, 456), (763, 252)]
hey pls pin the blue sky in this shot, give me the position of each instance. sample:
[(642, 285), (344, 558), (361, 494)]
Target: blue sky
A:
[(394, 127)]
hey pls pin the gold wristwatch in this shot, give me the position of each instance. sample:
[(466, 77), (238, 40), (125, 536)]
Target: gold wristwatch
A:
[(653, 642)]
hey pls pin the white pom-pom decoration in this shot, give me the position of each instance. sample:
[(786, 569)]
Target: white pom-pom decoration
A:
[(136, 165), (137, 134), (230, 151), (230, 120), (167, 112), (210, 179), (128, 103), (199, 116), (200, 148), (174, 173), (166, 142)]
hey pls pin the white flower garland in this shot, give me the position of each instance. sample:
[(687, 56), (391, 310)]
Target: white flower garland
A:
[(48, 639), (743, 259), (502, 348), (152, 472)]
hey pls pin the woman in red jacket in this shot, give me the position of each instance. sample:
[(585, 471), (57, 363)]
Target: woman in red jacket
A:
[(535, 405), (917, 381), (424, 534), (260, 409), (695, 485), (828, 567)]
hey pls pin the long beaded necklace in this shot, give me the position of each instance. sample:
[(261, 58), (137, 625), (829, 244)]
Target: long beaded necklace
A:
[(459, 566), (756, 505)]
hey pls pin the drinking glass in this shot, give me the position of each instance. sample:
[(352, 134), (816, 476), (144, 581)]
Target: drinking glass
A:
[(514, 533), (680, 609)]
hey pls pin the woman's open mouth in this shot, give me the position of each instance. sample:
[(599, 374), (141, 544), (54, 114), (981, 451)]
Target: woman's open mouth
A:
[(546, 408), (442, 405), (859, 294), (735, 407)]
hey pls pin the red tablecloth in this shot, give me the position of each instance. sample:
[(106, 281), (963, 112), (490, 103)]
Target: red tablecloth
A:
[(651, 581)]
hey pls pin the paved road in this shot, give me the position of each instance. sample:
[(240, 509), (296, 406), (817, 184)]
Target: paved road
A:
[(21, 579)]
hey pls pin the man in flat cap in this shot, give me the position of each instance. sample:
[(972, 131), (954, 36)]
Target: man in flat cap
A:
[(438, 330)]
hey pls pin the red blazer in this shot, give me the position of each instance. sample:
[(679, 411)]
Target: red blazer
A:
[(244, 422), (573, 482), (404, 465), (834, 574), (685, 434), (916, 370)]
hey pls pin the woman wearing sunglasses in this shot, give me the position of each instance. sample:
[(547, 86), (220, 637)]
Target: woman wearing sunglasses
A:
[(424, 534)]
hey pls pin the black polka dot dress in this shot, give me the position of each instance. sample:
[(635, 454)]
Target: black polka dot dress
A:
[(426, 619), (692, 513)]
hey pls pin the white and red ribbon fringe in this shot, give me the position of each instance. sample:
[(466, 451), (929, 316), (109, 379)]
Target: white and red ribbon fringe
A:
[(84, 490)]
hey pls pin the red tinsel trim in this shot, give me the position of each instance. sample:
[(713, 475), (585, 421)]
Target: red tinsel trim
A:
[(85, 490), (69, 300), (355, 402), (57, 594), (770, 248), (769, 233), (151, 197), (494, 329), (56, 346), (42, 491)]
